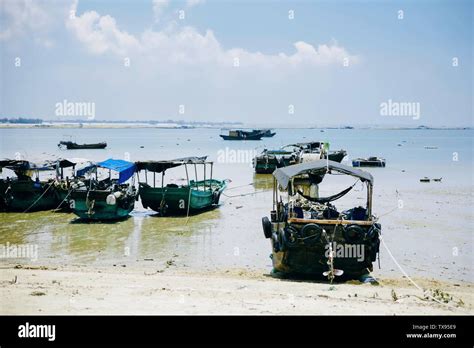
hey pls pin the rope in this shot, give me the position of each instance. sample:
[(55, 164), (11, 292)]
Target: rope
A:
[(244, 194), (411, 280), (400, 267), (70, 190), (31, 206)]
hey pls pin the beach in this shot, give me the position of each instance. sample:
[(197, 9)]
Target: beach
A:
[(126, 290)]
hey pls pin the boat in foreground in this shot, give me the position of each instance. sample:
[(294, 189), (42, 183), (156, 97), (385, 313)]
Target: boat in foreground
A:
[(70, 145), (309, 236), (104, 199), (173, 199)]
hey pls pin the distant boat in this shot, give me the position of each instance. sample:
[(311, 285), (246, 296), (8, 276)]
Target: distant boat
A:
[(73, 146), (242, 135), (431, 147), (267, 133), (368, 162)]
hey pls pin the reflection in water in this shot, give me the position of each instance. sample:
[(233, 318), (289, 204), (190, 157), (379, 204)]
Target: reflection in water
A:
[(263, 181)]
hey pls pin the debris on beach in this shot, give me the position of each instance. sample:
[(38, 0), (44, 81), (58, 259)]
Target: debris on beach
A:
[(38, 293), (394, 295)]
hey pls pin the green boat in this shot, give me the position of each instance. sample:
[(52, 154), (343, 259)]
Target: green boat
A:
[(24, 194), (107, 199), (172, 199)]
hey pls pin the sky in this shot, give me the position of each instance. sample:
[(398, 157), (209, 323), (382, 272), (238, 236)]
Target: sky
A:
[(275, 63)]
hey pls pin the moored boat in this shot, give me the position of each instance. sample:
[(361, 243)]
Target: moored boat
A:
[(267, 133), (369, 162), (70, 145), (269, 160), (242, 135), (172, 199), (27, 191), (309, 236), (104, 199)]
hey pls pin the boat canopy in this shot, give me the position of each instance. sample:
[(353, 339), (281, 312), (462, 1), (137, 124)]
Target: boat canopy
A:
[(284, 175), (23, 165), (124, 168), (161, 166)]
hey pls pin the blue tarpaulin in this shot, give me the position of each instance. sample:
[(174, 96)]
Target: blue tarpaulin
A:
[(124, 168)]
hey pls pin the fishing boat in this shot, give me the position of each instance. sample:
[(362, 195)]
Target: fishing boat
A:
[(369, 162), (316, 150), (191, 197), (242, 135), (269, 160), (309, 235), (267, 133), (70, 145), (26, 191), (110, 198)]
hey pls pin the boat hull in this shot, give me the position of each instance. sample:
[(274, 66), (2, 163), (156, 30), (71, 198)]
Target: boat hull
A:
[(28, 195), (247, 137), (172, 200), (93, 205), (311, 259)]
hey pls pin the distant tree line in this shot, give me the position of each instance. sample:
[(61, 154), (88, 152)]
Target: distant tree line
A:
[(21, 120)]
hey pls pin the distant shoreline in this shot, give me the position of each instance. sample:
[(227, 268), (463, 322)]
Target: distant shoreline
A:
[(111, 125)]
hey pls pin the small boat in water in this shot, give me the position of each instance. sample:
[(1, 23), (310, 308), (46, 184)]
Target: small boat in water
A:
[(242, 135), (267, 133), (70, 145), (269, 160), (173, 199), (369, 162), (104, 199), (309, 236)]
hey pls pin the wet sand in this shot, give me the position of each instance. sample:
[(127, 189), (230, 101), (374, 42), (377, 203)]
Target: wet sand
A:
[(168, 290)]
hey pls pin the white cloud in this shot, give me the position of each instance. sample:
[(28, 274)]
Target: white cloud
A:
[(100, 34), (21, 17), (185, 45)]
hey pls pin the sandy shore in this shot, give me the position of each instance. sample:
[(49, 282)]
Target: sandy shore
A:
[(84, 290)]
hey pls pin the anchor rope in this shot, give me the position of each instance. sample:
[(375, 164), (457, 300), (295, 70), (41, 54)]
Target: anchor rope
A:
[(425, 293), (31, 206)]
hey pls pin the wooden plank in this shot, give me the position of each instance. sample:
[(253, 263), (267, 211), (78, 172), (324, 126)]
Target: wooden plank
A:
[(330, 222)]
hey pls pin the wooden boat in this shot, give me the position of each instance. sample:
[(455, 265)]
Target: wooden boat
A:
[(267, 133), (242, 135), (107, 199), (269, 160), (368, 162), (73, 146), (172, 199), (24, 193), (307, 232)]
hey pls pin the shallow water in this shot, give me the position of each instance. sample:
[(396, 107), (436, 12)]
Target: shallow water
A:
[(435, 217)]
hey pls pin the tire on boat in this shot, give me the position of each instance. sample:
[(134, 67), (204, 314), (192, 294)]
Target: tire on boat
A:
[(311, 234), (354, 234), (291, 236), (267, 227)]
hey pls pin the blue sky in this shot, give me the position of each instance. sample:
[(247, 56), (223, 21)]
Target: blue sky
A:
[(335, 62)]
